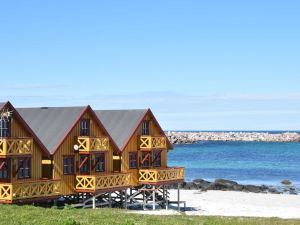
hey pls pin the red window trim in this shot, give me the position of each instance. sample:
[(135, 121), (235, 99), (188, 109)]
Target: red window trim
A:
[(7, 161)]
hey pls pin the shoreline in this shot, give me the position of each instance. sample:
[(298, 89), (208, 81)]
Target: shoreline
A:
[(286, 187), (186, 137)]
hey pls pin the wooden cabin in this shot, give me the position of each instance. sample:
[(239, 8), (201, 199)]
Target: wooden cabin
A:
[(80, 147), (143, 147), (50, 152), (21, 161)]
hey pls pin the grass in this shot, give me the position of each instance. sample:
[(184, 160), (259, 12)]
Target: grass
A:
[(12, 214)]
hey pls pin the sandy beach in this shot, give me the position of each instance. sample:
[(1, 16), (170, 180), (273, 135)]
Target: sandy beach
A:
[(231, 203)]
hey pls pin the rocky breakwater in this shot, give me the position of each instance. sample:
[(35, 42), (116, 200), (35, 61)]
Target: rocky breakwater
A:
[(177, 137), (228, 185)]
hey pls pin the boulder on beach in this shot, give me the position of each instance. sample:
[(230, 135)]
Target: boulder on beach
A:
[(224, 185), (201, 184), (286, 182)]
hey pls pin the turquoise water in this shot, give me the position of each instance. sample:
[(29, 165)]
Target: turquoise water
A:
[(245, 162)]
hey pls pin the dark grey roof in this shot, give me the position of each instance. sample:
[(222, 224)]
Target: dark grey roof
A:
[(50, 124), (2, 104), (120, 124)]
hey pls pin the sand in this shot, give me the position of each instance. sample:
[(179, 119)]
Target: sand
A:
[(231, 203)]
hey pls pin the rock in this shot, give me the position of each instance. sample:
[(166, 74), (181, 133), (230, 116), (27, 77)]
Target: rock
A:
[(223, 185), (192, 137), (201, 184), (273, 191), (253, 188), (286, 182), (228, 185), (293, 192)]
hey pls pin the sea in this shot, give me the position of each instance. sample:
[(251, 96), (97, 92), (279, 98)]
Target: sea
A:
[(245, 162)]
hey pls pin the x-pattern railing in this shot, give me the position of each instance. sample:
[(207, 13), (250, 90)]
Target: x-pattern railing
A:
[(94, 182), (27, 190), (15, 146), (160, 175), (6, 192), (86, 144), (148, 142)]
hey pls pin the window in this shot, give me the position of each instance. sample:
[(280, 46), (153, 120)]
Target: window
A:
[(24, 165), (4, 128), (85, 127), (132, 160), (145, 127), (145, 162), (157, 158), (100, 162), (4, 169), (84, 164), (68, 162)]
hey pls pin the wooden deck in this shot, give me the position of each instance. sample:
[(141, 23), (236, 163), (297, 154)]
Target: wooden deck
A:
[(153, 142), (91, 144), (10, 192), (154, 176), (94, 183), (15, 146)]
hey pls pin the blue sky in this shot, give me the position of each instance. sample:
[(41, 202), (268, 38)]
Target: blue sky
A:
[(200, 65)]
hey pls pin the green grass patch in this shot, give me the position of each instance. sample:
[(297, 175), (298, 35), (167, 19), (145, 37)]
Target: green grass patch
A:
[(12, 214)]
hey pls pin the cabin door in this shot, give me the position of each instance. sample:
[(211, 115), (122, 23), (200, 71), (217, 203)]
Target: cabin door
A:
[(47, 169), (5, 170), (117, 163), (84, 164)]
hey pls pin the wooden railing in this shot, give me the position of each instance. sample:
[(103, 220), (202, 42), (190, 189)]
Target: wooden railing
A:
[(15, 146), (155, 142), (161, 175), (98, 182), (87, 144), (28, 190), (6, 192)]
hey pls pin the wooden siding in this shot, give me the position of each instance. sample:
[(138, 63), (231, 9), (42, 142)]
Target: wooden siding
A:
[(66, 149), (133, 147), (18, 131)]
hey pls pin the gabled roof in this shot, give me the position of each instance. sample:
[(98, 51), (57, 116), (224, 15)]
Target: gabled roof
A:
[(26, 126), (121, 124), (51, 124)]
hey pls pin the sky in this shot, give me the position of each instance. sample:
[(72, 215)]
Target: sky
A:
[(199, 65)]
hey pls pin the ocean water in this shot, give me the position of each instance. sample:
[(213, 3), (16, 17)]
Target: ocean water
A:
[(245, 162)]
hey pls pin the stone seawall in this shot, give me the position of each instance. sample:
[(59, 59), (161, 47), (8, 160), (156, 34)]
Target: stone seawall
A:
[(177, 137)]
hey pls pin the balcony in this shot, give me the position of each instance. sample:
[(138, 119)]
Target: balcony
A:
[(15, 146), (152, 176), (10, 192), (92, 144), (93, 183), (153, 142)]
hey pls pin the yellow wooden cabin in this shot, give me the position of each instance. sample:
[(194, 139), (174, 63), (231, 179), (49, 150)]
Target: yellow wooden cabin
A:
[(50, 152), (21, 157), (81, 149), (143, 146)]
